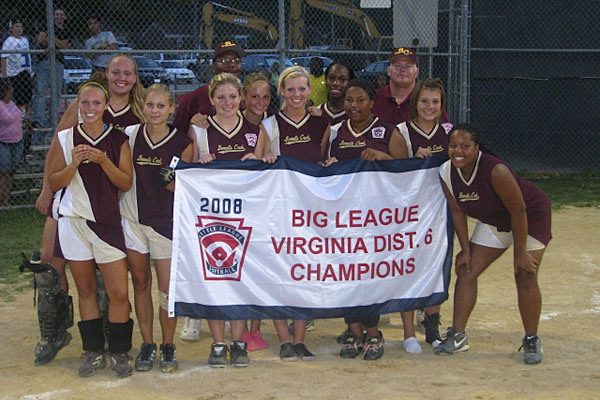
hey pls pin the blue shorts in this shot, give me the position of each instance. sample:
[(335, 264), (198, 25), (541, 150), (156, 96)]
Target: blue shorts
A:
[(10, 155)]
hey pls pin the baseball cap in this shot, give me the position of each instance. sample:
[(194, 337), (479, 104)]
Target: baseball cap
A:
[(405, 52), (224, 47)]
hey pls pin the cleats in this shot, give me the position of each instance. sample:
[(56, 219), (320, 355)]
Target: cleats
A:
[(45, 351), (145, 359), (303, 353), (352, 347), (168, 358), (287, 352), (121, 364), (239, 354), (92, 361), (191, 330), (373, 347), (218, 355), (532, 349), (454, 342)]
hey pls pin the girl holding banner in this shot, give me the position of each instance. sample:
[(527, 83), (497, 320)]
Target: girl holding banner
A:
[(364, 136), (228, 137), (425, 136), (509, 210), (295, 133)]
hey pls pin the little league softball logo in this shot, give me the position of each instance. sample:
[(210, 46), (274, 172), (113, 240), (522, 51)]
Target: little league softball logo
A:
[(223, 243)]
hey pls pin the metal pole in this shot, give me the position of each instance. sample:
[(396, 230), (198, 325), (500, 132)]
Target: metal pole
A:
[(281, 42), (52, 61), (451, 104), (465, 62)]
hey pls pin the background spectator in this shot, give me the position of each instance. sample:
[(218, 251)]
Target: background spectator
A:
[(99, 41), (17, 66), (11, 140)]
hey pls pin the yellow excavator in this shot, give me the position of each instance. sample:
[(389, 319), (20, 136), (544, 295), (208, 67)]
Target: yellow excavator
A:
[(372, 39), (213, 12)]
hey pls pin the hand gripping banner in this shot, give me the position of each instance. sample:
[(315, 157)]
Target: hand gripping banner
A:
[(295, 240)]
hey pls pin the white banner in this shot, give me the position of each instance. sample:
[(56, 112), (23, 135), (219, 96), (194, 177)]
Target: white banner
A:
[(295, 240)]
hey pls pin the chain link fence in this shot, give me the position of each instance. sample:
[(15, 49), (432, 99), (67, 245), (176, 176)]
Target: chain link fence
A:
[(528, 78)]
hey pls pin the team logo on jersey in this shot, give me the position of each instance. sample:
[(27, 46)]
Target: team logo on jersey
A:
[(447, 127), (223, 244), (378, 132), (251, 139)]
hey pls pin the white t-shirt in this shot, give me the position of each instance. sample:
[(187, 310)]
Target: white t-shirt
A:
[(95, 42), (16, 62)]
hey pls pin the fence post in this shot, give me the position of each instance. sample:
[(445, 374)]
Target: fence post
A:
[(465, 61), (52, 61)]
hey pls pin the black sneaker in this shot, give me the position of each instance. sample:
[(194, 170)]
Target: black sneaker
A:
[(145, 359), (532, 349), (432, 329), (218, 355), (287, 352), (239, 354), (168, 358), (374, 347), (303, 352), (351, 347)]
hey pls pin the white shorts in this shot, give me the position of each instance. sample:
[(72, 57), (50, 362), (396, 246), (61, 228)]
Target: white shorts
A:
[(489, 236), (144, 239), (55, 204), (79, 243)]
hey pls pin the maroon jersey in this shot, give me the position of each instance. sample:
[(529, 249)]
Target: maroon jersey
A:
[(346, 143), (436, 140), (90, 194), (334, 118), (387, 109), (478, 199), (300, 140), (148, 202), (120, 119), (190, 104), (227, 145)]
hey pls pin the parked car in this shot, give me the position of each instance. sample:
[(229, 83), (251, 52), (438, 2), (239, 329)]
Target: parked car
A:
[(158, 57), (259, 62), (177, 72), (305, 61), (371, 71), (150, 72), (123, 46), (77, 70)]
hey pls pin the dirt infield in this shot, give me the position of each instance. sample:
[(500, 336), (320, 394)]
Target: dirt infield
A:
[(491, 369)]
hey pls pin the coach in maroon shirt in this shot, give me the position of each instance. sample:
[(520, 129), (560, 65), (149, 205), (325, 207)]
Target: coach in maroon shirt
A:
[(227, 57), (392, 102)]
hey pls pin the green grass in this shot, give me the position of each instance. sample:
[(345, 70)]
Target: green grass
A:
[(569, 190), (21, 231)]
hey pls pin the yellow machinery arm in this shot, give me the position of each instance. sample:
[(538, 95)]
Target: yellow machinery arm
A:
[(212, 12)]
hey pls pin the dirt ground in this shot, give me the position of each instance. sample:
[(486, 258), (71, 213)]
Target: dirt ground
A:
[(491, 369)]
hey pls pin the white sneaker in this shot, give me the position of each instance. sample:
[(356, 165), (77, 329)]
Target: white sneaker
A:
[(411, 345), (191, 329)]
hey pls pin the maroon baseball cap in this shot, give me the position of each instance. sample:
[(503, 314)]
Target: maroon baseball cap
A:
[(405, 52), (224, 47)]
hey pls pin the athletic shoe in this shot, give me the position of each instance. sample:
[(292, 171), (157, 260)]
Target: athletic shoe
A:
[(287, 352), (259, 342), (303, 353), (384, 319), (374, 347), (145, 359), (432, 330), (218, 355), (46, 351), (345, 335), (191, 329), (239, 355), (411, 345), (120, 363), (168, 358), (351, 347), (310, 326), (247, 337), (453, 343), (532, 349), (93, 360)]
